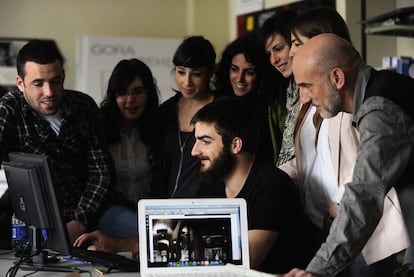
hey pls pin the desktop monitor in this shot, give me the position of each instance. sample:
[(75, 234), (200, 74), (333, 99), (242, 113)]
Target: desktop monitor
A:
[(32, 192), (34, 201)]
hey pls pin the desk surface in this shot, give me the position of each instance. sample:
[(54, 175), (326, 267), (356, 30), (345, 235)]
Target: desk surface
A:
[(7, 260)]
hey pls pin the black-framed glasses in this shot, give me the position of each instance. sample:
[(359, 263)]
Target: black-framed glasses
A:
[(134, 92)]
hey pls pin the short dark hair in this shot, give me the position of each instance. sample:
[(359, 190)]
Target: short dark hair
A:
[(232, 118), (195, 51), (38, 51), (279, 23)]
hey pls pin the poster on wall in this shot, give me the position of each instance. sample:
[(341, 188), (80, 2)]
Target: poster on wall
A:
[(98, 55), (248, 6), (9, 47)]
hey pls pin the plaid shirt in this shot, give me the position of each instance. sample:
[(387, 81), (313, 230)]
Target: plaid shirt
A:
[(79, 155)]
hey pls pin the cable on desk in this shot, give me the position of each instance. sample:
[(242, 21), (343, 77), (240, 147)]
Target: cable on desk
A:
[(6, 252), (75, 269), (13, 270), (31, 273)]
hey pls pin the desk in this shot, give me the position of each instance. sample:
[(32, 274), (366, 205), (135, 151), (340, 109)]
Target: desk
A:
[(7, 259)]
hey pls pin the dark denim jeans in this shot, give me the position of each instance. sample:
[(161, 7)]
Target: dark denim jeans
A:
[(120, 222)]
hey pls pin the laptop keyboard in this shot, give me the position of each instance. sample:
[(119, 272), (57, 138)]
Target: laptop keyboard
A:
[(106, 261), (198, 274), (241, 271), (230, 271)]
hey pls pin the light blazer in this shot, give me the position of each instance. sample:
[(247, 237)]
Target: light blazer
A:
[(390, 236)]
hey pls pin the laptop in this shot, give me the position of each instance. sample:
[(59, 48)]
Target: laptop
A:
[(179, 236)]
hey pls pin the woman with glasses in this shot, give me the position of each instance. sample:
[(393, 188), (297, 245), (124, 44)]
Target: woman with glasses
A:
[(194, 62), (130, 116)]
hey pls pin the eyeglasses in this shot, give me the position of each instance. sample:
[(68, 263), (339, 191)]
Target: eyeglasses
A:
[(134, 92)]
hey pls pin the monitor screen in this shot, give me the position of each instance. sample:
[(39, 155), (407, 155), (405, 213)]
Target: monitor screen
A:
[(30, 181)]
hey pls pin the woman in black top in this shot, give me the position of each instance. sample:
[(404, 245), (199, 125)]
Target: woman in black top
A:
[(194, 63)]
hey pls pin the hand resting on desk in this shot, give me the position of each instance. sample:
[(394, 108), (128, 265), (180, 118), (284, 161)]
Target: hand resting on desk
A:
[(98, 240)]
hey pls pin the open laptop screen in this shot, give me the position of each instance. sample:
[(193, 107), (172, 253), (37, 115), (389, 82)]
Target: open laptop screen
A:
[(191, 233)]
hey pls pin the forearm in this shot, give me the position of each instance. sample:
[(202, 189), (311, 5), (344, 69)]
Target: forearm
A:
[(99, 178), (126, 244), (260, 244), (91, 202), (347, 236)]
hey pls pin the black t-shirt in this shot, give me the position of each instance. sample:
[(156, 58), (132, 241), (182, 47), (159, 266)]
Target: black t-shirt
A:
[(272, 204)]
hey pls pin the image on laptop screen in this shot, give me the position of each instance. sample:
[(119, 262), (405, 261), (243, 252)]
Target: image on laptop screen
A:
[(193, 233)]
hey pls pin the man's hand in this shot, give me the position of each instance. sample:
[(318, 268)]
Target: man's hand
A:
[(75, 229), (296, 272), (98, 240), (333, 209)]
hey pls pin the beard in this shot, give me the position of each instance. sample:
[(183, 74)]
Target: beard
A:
[(220, 167), (333, 104)]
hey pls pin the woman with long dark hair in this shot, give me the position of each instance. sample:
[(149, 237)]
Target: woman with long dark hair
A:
[(130, 111)]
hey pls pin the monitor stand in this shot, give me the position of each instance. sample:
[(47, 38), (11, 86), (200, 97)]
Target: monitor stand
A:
[(39, 259)]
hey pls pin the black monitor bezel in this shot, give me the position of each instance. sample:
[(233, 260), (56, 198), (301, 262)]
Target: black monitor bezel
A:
[(57, 234)]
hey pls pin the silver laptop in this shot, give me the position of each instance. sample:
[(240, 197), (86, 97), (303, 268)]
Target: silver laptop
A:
[(192, 235)]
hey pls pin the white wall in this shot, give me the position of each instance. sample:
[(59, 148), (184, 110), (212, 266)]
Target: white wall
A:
[(66, 20)]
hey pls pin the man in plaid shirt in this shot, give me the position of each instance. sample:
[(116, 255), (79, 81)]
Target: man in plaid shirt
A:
[(42, 117)]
